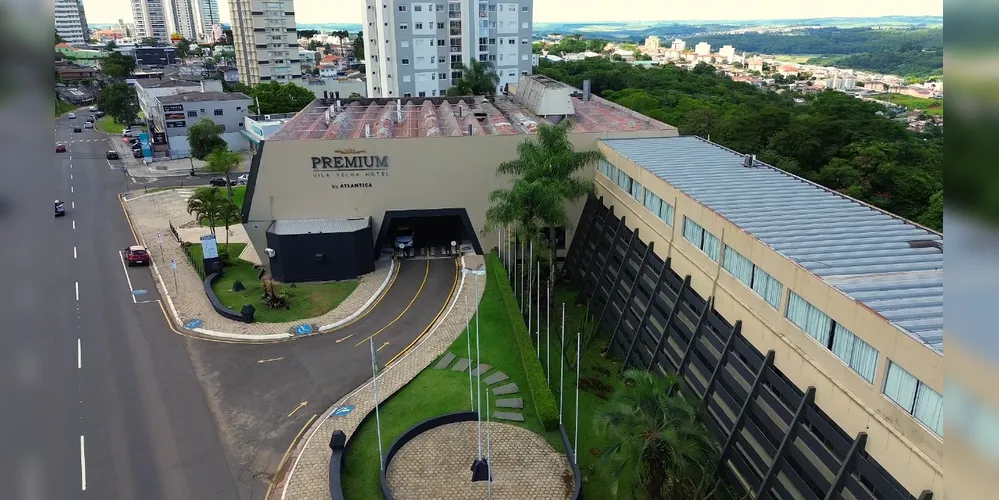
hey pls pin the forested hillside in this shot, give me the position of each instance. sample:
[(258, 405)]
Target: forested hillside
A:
[(833, 139)]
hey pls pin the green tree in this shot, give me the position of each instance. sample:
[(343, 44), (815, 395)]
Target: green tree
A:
[(119, 101), (183, 48), (228, 214), (275, 97), (205, 204), (359, 46), (205, 137), (224, 162), (654, 429), (117, 65), (933, 216), (307, 33), (149, 42), (477, 78), (110, 46), (354, 95)]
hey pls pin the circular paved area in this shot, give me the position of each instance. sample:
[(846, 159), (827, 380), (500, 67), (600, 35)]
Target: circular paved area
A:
[(437, 465)]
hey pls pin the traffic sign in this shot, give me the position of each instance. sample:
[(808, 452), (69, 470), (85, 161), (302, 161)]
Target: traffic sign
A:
[(173, 264)]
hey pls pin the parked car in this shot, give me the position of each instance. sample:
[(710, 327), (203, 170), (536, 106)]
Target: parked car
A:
[(137, 153), (88, 125), (404, 241), (133, 140), (60, 148), (219, 182), (71, 116), (243, 179), (60, 209), (136, 255), (112, 155), (136, 147), (93, 108), (99, 114)]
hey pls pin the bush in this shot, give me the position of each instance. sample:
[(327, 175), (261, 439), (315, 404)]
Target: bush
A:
[(544, 399)]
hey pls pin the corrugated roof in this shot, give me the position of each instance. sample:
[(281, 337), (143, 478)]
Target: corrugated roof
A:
[(203, 97), (859, 250), (318, 226)]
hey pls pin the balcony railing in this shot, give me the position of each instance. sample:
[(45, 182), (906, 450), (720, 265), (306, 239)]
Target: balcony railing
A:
[(454, 14)]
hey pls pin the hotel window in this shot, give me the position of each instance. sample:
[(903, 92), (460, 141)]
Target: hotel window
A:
[(218, 112), (440, 7), (853, 350), (442, 76), (914, 397), (404, 26), (524, 8), (402, 8), (523, 25), (406, 78), (700, 238), (419, 26), (752, 276), (658, 207), (192, 114), (418, 8), (440, 26), (405, 61)]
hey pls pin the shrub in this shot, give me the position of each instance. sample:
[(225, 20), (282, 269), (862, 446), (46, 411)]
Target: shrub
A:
[(544, 400)]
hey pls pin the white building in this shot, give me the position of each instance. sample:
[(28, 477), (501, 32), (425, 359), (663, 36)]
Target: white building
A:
[(417, 49), (653, 44), (217, 32), (265, 38), (150, 20), (842, 81), (679, 45), (728, 52), (702, 49), (71, 22), (182, 19), (206, 16), (261, 127)]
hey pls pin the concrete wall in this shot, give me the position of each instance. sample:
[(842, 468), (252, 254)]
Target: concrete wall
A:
[(423, 173), (909, 451)]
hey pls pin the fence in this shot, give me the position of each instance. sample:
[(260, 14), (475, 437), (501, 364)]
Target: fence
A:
[(776, 443), (195, 260)]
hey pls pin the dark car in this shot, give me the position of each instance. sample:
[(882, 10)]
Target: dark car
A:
[(219, 182), (99, 114), (60, 209), (137, 153), (112, 155), (60, 148), (77, 129), (136, 147)]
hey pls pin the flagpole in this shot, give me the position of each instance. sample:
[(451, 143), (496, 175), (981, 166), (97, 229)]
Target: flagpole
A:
[(561, 370), (468, 339), (489, 452), (548, 328), (478, 356), (575, 441), (378, 417), (537, 324), (530, 286)]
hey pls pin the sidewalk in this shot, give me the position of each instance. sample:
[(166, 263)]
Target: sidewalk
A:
[(186, 300), (308, 477), (166, 167)]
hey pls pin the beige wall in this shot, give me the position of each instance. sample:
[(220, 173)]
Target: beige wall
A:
[(909, 451), (423, 173)]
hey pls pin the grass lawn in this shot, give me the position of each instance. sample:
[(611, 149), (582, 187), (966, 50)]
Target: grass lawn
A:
[(436, 392), (108, 125), (932, 107), (307, 300), (238, 193), (62, 107)]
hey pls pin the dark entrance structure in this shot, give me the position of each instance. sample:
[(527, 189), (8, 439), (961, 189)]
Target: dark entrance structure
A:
[(319, 249), (430, 228)]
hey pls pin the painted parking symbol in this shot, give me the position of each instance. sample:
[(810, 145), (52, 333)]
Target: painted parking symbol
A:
[(139, 292), (342, 411), (303, 329), (194, 323)]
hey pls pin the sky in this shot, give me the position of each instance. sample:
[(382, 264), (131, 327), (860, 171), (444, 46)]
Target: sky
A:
[(595, 11)]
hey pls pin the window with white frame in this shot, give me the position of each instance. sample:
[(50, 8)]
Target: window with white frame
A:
[(405, 61), (854, 351), (661, 209), (404, 26), (524, 8), (402, 8), (751, 275), (915, 397), (703, 240)]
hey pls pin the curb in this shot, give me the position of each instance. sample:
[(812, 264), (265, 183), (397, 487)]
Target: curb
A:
[(364, 308)]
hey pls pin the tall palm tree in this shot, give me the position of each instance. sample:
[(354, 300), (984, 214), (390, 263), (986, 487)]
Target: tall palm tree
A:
[(228, 213), (222, 161), (477, 78), (655, 429), (205, 204)]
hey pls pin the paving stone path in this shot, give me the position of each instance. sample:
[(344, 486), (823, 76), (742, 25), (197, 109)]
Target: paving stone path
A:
[(491, 380), (436, 465)]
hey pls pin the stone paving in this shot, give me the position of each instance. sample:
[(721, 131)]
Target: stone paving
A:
[(152, 213), (308, 478), (437, 465)]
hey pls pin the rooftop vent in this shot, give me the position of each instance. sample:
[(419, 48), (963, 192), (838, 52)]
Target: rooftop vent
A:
[(926, 244), (749, 161)]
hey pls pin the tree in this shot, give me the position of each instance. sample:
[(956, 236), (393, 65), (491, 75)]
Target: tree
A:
[(120, 102), (354, 95), (205, 204), (58, 38), (110, 46), (222, 161), (117, 65), (307, 33), (654, 428), (275, 97), (205, 137), (149, 42), (477, 78), (359, 46), (228, 214), (183, 48)]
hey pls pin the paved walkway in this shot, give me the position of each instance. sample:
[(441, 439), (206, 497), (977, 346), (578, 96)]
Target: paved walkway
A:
[(152, 213), (308, 478), (437, 465)]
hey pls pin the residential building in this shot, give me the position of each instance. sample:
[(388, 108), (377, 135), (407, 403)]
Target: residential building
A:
[(652, 44), (265, 38), (332, 66), (788, 70), (418, 49), (206, 16), (702, 49), (679, 45), (727, 52), (71, 22), (308, 58), (150, 20), (755, 64), (153, 56), (128, 29), (148, 90), (182, 19), (173, 114)]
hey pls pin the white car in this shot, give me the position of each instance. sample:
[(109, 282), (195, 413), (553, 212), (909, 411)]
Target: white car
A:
[(93, 108), (243, 179), (71, 116), (88, 125)]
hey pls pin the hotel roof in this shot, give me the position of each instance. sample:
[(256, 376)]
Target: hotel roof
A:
[(450, 116), (890, 265)]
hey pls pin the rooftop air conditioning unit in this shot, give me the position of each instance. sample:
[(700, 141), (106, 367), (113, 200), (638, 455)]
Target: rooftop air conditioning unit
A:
[(267, 117), (748, 161)]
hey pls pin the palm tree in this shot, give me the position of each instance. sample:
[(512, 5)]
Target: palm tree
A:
[(205, 204), (223, 161), (228, 213), (655, 429), (477, 78)]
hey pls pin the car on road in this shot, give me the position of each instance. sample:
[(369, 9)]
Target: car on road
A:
[(404, 241), (137, 153), (60, 209), (112, 155), (91, 118), (243, 179), (60, 148), (88, 125), (99, 114), (71, 116), (219, 182), (136, 146), (77, 129), (136, 255), (92, 108)]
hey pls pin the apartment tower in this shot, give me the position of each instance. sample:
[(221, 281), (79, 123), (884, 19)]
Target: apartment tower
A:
[(150, 20), (206, 16), (417, 49), (265, 39), (182, 19), (71, 21)]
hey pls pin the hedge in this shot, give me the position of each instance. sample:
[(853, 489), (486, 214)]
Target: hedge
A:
[(544, 399)]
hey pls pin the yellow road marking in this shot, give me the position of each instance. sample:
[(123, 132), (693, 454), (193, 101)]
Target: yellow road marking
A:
[(385, 292), (278, 473), (425, 274), (299, 407), (454, 285)]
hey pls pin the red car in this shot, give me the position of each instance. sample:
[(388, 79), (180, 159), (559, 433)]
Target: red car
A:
[(137, 255), (60, 148)]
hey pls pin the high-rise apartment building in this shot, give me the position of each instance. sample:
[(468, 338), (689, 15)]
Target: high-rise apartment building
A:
[(150, 20), (206, 15), (265, 38), (679, 45), (71, 21), (182, 19), (417, 49)]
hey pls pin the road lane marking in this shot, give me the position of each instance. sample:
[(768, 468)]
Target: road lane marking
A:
[(79, 354), (345, 338), (83, 463), (454, 286), (74, 224), (77, 286), (397, 318), (71, 189), (299, 407), (382, 346), (262, 361), (74, 252), (70, 176), (124, 268), (72, 204)]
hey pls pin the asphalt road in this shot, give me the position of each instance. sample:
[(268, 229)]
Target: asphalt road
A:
[(101, 399)]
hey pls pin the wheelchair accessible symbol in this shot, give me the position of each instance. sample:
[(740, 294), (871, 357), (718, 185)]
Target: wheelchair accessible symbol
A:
[(342, 411), (303, 329)]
